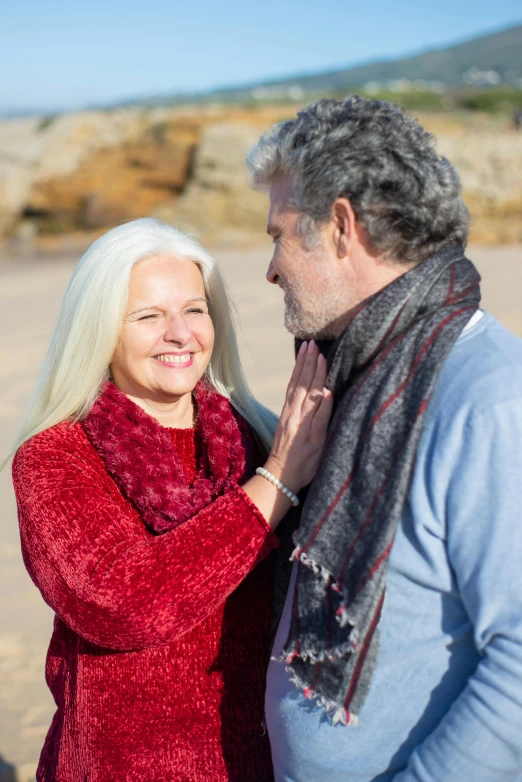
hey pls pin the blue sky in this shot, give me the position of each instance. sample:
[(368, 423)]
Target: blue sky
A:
[(58, 55)]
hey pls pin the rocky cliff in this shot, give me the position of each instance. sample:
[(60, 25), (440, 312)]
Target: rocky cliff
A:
[(85, 172)]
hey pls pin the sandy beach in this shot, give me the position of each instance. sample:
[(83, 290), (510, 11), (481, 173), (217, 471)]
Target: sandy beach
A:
[(30, 293)]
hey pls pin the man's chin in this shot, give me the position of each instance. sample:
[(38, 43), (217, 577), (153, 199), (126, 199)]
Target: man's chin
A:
[(297, 331), (306, 331)]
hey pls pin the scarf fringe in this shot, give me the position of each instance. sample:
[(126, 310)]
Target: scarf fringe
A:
[(336, 714), (343, 615)]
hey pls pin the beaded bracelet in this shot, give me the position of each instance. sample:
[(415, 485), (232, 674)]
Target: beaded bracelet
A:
[(294, 499)]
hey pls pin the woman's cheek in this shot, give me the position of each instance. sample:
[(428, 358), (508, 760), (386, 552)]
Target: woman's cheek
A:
[(205, 335)]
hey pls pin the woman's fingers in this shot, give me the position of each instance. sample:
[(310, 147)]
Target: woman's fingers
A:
[(315, 390), (296, 373), (322, 416), (306, 395), (308, 371), (320, 374)]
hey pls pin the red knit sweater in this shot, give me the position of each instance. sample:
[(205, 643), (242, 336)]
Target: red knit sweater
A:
[(157, 661)]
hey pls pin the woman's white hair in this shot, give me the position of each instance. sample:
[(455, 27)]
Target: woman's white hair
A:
[(90, 320)]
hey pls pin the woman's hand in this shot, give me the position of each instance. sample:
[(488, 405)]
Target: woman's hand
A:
[(299, 436), (301, 430)]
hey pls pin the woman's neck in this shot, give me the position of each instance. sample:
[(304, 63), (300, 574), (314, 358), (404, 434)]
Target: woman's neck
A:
[(176, 414)]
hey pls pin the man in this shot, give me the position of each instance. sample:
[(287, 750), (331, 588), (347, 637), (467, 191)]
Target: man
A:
[(398, 654)]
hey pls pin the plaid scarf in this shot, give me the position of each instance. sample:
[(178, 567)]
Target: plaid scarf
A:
[(382, 371)]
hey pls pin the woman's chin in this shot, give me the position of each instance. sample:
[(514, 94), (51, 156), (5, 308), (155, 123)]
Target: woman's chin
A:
[(158, 392), (175, 390), (178, 386)]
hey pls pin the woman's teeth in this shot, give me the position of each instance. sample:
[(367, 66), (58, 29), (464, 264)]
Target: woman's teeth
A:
[(184, 359)]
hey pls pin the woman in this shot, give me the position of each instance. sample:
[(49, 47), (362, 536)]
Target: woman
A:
[(143, 522)]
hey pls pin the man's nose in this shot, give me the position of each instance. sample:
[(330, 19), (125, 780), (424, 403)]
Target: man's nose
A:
[(177, 330), (271, 273)]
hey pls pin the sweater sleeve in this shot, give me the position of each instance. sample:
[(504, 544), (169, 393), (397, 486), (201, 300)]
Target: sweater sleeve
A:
[(104, 574), (480, 738)]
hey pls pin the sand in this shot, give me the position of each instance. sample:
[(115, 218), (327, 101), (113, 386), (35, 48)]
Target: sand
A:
[(30, 293)]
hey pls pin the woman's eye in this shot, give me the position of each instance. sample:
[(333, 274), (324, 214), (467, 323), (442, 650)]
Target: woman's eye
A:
[(147, 317), (196, 311)]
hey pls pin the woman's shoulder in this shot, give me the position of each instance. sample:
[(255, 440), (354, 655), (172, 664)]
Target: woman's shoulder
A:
[(58, 444)]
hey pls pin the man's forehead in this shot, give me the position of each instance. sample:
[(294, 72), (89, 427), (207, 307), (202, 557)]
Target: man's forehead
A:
[(281, 192), (281, 203)]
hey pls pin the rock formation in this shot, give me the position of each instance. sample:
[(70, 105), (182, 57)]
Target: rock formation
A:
[(90, 170)]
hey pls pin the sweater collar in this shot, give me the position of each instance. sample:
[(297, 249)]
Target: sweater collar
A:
[(139, 455)]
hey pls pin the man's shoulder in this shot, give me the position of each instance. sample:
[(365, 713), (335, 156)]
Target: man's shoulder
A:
[(482, 370)]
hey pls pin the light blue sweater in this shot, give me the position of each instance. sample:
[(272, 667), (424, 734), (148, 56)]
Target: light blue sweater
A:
[(445, 704)]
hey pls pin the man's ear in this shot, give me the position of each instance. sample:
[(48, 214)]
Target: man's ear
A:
[(344, 224)]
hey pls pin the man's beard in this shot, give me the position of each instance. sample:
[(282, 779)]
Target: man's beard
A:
[(314, 315)]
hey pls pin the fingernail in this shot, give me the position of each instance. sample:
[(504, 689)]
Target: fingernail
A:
[(302, 348), (311, 345)]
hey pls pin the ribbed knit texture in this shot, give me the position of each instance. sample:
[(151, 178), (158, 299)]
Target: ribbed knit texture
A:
[(158, 657), (187, 442)]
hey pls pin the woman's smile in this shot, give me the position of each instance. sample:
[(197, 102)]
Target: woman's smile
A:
[(175, 360)]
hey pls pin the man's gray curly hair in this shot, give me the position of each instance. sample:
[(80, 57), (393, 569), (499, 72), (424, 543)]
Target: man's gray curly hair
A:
[(405, 195)]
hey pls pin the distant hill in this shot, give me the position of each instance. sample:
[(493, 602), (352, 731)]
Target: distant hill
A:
[(490, 60), (473, 61)]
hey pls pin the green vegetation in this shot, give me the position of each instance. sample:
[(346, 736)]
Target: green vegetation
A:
[(420, 100), (492, 100), (495, 100), (47, 121)]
